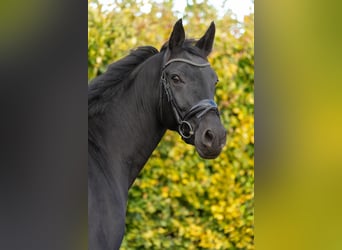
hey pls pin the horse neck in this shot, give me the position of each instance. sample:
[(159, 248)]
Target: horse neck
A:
[(135, 130)]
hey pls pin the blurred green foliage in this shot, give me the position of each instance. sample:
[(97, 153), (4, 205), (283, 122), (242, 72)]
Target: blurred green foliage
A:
[(181, 201)]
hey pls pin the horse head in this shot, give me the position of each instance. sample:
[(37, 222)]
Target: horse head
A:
[(188, 88)]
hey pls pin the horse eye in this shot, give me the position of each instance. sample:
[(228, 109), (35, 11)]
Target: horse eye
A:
[(176, 79)]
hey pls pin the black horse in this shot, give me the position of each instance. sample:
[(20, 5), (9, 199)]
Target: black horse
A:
[(129, 109)]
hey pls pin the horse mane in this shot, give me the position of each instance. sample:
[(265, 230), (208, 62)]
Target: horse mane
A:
[(102, 89)]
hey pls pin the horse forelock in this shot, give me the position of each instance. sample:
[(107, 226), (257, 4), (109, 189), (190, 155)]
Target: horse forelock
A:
[(188, 46)]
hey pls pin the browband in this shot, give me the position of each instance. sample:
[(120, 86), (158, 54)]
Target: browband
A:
[(186, 61)]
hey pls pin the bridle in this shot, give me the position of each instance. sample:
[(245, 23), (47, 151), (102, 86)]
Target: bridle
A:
[(198, 110)]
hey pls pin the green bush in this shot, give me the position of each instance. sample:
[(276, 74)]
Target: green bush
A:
[(180, 201)]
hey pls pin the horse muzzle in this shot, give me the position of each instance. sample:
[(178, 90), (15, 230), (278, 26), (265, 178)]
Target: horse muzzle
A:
[(210, 136)]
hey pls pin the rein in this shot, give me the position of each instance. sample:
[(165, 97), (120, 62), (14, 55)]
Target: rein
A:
[(198, 110)]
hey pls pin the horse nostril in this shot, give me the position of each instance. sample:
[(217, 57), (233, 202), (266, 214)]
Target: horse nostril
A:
[(208, 138)]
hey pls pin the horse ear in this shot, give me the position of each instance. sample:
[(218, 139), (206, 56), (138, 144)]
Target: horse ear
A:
[(207, 40), (177, 36)]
